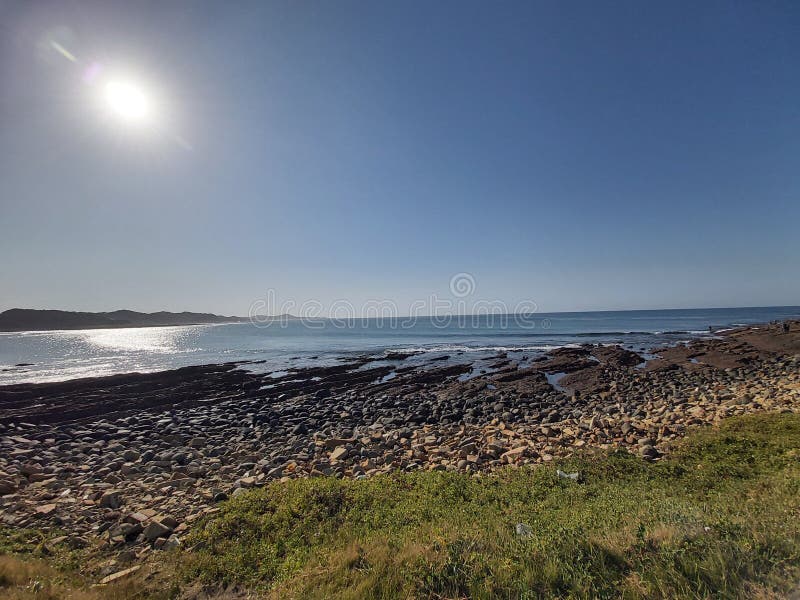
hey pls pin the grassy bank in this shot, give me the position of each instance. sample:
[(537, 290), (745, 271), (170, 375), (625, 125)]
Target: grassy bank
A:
[(720, 518)]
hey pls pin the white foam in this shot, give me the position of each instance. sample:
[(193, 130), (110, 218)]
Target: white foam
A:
[(454, 348)]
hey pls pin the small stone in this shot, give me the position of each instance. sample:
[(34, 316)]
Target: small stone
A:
[(30, 468), (339, 453), (275, 471), (112, 499), (119, 575), (649, 452), (135, 518), (523, 530), (126, 556), (156, 530), (46, 509), (514, 454), (172, 542), (7, 487), (170, 522), (572, 476)]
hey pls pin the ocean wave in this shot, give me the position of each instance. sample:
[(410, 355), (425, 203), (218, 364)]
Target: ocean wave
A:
[(602, 333), (686, 332), (458, 348), (467, 332)]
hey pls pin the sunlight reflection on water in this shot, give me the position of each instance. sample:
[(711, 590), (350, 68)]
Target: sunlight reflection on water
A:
[(141, 339)]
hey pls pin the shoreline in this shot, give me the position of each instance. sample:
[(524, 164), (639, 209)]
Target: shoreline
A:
[(85, 455), (50, 356)]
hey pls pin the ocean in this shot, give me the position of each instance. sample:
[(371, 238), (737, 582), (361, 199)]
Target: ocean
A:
[(60, 355)]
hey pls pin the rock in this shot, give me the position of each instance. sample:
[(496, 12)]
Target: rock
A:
[(7, 487), (170, 522), (172, 542), (156, 530), (130, 456), (46, 509), (126, 556), (572, 476), (523, 530), (111, 499), (119, 575), (649, 452), (136, 518), (332, 443), (30, 468), (76, 542), (339, 453), (128, 531), (275, 472), (514, 454)]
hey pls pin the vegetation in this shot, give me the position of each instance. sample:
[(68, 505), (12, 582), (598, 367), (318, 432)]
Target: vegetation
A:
[(719, 518), (33, 568)]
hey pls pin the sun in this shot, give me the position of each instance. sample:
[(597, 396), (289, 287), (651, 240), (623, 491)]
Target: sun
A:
[(127, 101)]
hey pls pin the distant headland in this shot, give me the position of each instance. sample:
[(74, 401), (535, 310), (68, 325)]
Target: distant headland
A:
[(26, 319)]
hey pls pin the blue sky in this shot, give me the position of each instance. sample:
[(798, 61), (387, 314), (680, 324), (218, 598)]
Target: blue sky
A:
[(578, 155)]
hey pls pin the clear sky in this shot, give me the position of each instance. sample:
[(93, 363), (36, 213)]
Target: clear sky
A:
[(581, 155)]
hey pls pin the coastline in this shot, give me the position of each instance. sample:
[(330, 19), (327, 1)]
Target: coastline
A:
[(51, 356), (86, 454)]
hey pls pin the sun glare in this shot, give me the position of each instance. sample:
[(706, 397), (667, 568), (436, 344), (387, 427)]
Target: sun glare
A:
[(127, 101)]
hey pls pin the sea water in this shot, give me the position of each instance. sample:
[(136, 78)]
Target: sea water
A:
[(279, 345)]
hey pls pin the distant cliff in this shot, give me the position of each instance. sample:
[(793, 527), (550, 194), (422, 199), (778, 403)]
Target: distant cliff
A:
[(23, 319)]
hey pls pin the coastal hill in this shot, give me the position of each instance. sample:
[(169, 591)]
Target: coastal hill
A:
[(23, 319)]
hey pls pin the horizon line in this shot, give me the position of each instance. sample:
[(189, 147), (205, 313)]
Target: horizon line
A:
[(407, 316)]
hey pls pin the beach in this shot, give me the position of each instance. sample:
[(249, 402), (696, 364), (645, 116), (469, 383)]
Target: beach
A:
[(126, 463)]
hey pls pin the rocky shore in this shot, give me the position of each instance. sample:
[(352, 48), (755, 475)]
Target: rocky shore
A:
[(126, 463)]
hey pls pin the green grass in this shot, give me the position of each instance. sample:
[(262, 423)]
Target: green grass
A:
[(720, 518)]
